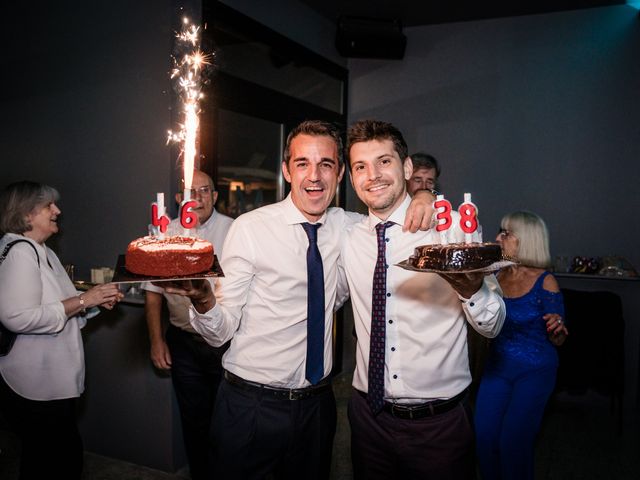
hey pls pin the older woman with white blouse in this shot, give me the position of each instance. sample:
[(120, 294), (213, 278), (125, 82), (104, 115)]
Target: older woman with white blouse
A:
[(43, 374)]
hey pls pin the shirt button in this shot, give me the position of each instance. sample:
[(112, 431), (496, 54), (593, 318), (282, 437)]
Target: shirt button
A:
[(395, 376), (479, 324), (386, 239), (393, 349), (388, 294), (471, 304), (390, 321)]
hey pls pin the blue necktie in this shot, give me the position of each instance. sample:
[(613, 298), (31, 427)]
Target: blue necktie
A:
[(375, 395), (315, 307)]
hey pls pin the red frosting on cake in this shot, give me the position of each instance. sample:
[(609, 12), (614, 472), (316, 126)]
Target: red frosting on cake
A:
[(170, 257)]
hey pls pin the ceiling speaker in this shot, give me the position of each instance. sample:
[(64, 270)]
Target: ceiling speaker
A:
[(370, 38)]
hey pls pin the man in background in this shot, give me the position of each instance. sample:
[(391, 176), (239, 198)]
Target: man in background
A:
[(195, 366), (425, 173)]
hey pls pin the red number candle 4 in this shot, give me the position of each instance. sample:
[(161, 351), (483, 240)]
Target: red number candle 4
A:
[(158, 217)]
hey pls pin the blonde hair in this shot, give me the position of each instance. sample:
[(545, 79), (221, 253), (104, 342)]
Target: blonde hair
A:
[(532, 235)]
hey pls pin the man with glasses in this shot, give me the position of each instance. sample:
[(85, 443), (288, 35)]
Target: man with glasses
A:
[(195, 365)]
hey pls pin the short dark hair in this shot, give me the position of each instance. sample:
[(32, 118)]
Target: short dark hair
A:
[(424, 160), (18, 200), (317, 128), (367, 130)]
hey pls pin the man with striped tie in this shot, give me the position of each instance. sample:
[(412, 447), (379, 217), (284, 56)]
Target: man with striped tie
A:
[(408, 413)]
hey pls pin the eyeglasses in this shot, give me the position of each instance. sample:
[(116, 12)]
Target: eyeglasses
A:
[(201, 191)]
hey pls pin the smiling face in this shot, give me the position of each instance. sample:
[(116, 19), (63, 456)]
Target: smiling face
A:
[(43, 221), (313, 172), (378, 175)]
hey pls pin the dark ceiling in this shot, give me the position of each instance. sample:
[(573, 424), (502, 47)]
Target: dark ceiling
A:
[(426, 12)]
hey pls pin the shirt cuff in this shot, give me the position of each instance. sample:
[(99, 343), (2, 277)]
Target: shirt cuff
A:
[(207, 324), (485, 311)]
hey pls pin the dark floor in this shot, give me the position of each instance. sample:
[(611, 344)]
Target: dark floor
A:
[(579, 440)]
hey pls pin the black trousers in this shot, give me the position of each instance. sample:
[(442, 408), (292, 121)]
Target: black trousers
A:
[(48, 430), (439, 447), (258, 436), (196, 371)]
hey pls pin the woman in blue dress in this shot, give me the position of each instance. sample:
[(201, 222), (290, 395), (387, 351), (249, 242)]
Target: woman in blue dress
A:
[(520, 372)]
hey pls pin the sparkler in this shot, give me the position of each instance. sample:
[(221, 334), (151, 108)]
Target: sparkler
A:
[(187, 71)]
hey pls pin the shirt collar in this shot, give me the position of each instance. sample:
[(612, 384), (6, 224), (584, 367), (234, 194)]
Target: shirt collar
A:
[(397, 216), (292, 215)]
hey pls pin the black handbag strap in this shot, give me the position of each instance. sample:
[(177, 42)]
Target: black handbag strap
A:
[(11, 244), (6, 331)]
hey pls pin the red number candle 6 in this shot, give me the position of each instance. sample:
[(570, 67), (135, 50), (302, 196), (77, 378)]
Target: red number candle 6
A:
[(188, 219)]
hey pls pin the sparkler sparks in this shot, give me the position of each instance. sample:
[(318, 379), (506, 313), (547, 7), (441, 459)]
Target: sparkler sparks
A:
[(188, 70)]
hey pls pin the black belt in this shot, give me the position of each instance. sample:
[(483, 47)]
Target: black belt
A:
[(283, 393), (421, 410)]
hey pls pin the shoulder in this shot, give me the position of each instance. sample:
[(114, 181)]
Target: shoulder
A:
[(267, 215), (348, 219), (221, 223), (22, 250), (268, 211), (224, 219), (550, 283)]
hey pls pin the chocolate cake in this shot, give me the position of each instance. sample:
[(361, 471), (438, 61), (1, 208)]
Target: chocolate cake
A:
[(170, 257), (456, 256)]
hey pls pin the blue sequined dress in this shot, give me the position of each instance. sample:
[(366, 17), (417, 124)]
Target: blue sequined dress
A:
[(523, 338), (517, 382)]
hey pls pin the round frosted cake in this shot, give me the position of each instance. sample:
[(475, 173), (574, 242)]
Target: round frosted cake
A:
[(170, 257), (456, 256)]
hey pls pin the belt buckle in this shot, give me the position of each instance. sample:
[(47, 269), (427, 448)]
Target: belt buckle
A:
[(292, 394)]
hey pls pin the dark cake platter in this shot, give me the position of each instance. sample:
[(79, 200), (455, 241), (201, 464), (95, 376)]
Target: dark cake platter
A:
[(122, 275), (494, 267)]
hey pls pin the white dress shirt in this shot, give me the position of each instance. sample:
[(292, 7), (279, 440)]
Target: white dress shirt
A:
[(262, 299), (47, 359), (214, 230), (426, 335)]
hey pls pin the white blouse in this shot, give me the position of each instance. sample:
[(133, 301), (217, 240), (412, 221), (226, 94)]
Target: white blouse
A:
[(47, 359)]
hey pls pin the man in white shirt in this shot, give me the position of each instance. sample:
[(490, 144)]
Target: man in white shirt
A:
[(408, 414), (196, 369), (275, 414)]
